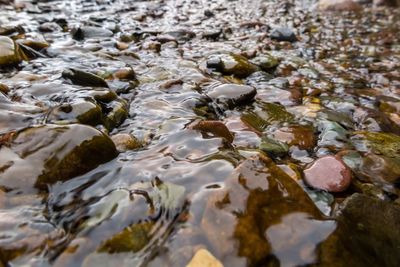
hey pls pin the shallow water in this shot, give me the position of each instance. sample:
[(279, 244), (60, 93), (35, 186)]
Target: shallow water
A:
[(186, 189)]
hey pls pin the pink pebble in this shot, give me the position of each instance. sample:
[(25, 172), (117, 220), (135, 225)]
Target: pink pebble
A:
[(328, 173)]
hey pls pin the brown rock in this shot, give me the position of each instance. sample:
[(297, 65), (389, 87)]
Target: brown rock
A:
[(301, 136), (125, 142), (216, 128), (338, 5), (386, 3), (328, 173)]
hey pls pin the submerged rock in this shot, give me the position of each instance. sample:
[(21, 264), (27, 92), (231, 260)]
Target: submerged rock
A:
[(262, 211), (231, 64), (273, 147), (131, 239), (80, 111), (328, 173), (386, 144), (125, 142), (232, 95), (296, 135), (266, 114), (215, 128), (367, 234), (83, 78), (47, 154)]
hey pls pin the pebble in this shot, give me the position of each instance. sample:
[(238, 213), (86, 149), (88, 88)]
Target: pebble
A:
[(328, 173), (125, 142), (203, 258), (283, 34)]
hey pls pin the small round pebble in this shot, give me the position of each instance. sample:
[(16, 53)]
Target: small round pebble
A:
[(328, 173)]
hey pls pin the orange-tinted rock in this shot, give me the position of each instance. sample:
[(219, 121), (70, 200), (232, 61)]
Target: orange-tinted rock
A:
[(301, 136), (216, 128), (328, 173)]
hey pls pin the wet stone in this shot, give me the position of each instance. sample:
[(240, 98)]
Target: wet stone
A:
[(39, 156), (84, 78), (273, 147), (125, 142), (215, 128), (296, 135), (328, 173), (232, 95), (84, 112), (86, 32), (283, 34), (9, 51), (255, 209), (231, 64), (367, 234), (265, 62)]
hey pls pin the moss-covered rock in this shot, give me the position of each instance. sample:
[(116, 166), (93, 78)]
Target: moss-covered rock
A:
[(266, 114), (125, 142), (81, 111), (273, 147), (83, 78), (131, 239), (39, 156), (265, 62), (386, 144), (231, 64), (115, 113), (10, 53)]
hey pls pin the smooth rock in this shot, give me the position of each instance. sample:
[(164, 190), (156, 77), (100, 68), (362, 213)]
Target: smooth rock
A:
[(367, 234), (203, 258), (328, 173), (215, 128), (86, 32), (9, 52), (296, 135), (39, 156), (125, 142), (264, 212), (232, 94), (265, 62), (231, 64), (339, 5), (83, 78), (283, 34)]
